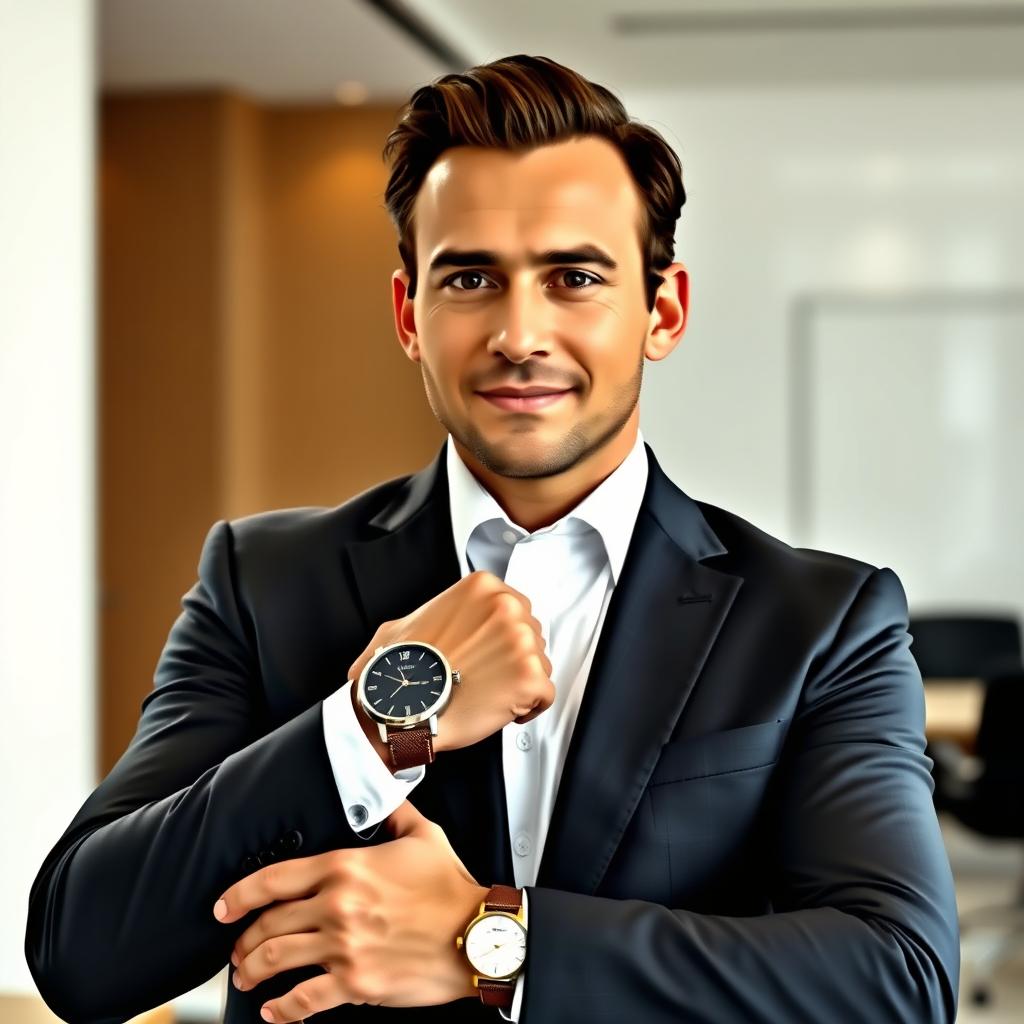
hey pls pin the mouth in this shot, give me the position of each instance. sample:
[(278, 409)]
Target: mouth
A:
[(525, 402)]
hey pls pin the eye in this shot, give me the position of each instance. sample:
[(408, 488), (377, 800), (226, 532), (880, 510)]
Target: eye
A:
[(578, 280), (470, 274)]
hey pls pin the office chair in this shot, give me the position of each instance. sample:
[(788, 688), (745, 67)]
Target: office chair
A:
[(985, 792), (965, 646)]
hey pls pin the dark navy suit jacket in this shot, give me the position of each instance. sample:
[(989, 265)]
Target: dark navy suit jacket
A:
[(743, 830)]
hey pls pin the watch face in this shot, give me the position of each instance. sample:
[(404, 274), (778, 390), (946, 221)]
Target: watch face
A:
[(496, 946), (406, 681)]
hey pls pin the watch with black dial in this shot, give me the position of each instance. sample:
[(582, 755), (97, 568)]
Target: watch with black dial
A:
[(495, 945), (404, 687)]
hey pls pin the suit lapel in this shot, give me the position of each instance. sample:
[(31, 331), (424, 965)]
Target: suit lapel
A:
[(662, 620)]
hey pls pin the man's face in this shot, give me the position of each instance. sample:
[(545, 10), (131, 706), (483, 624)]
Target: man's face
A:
[(529, 275)]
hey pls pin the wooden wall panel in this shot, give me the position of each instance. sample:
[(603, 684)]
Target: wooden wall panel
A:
[(248, 359)]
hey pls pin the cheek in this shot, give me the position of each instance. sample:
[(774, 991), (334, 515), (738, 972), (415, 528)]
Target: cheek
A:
[(608, 344)]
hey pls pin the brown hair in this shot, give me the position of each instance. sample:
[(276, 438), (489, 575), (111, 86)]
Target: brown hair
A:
[(520, 102)]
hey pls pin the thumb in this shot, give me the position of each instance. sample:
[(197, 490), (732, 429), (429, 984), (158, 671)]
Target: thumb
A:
[(357, 666), (404, 819)]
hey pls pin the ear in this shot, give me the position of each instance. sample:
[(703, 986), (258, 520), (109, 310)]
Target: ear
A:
[(671, 309), (405, 322)]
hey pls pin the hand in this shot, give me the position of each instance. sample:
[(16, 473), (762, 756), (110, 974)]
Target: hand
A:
[(486, 630), (380, 920)]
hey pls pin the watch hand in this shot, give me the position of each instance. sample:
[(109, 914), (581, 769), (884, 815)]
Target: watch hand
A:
[(396, 691), (403, 681)]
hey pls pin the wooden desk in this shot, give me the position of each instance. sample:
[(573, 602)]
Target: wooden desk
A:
[(953, 710), (30, 1009)]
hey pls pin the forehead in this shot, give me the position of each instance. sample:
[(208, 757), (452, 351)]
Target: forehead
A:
[(563, 193)]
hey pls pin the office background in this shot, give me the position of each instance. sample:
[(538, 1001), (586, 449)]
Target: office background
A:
[(195, 315)]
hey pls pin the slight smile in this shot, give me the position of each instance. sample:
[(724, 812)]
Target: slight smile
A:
[(525, 403)]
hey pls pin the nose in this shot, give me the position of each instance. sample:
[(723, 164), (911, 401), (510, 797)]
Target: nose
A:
[(522, 327)]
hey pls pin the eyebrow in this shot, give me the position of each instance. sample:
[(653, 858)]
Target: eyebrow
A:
[(550, 257)]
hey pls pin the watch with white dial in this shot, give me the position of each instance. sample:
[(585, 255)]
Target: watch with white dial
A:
[(404, 687), (495, 945)]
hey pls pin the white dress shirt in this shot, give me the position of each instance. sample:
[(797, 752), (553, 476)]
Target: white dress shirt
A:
[(568, 571)]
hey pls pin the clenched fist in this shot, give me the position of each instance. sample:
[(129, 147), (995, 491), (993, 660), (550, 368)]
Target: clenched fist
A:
[(486, 630)]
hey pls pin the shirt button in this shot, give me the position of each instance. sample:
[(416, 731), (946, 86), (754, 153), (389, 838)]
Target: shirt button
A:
[(523, 740), (358, 813), (521, 844), (510, 536)]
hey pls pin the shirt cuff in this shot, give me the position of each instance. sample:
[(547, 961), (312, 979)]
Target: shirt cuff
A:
[(369, 790), (517, 996)]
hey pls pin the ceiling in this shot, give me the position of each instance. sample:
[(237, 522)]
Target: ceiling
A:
[(298, 51)]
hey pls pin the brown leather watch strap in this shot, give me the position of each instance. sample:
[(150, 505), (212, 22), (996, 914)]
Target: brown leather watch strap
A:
[(496, 993), (504, 897), (493, 992), (411, 747)]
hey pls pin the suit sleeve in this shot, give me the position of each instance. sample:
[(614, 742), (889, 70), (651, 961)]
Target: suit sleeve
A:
[(864, 927), (120, 913)]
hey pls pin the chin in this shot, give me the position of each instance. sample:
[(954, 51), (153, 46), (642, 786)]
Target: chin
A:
[(532, 453)]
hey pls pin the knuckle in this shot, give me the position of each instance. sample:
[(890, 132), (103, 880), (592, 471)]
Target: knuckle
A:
[(366, 990), (271, 953), (304, 1002), (526, 641), (481, 580), (340, 866), (272, 877), (507, 605)]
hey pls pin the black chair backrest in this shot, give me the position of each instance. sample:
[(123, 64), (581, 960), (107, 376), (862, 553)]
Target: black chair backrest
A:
[(975, 646), (997, 804), (1002, 718)]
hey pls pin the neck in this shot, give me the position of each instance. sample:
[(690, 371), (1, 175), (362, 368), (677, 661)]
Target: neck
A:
[(536, 502)]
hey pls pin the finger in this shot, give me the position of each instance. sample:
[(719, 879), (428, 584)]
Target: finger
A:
[(357, 666), (286, 918), (309, 997), (281, 953), (290, 879)]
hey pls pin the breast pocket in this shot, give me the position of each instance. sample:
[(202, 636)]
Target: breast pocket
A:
[(717, 753), (706, 794)]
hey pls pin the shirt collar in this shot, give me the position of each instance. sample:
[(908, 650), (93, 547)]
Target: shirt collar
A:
[(611, 508)]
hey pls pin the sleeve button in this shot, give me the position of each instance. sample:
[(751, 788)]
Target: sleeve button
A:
[(293, 840), (250, 864)]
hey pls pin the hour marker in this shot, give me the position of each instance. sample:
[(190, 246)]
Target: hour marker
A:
[(424, 703), (374, 687), (390, 709), (432, 664), (420, 658), (387, 659), (408, 710), (374, 673), (434, 693)]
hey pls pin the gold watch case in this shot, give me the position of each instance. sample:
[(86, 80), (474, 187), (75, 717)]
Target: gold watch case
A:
[(451, 679), (460, 941)]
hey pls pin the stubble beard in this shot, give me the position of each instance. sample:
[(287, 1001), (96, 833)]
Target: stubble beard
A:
[(579, 443)]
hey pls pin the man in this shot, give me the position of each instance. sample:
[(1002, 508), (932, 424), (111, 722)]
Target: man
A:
[(679, 763)]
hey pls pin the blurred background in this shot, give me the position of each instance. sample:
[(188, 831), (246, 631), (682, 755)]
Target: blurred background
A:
[(195, 324)]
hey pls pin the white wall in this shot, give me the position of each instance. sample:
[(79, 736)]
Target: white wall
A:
[(47, 447), (863, 191)]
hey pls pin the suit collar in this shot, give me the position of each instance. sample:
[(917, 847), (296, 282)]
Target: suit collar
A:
[(674, 511)]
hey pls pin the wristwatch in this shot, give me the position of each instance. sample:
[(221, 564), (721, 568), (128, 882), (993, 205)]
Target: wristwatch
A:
[(403, 688), (495, 945)]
